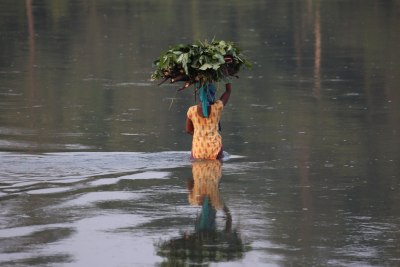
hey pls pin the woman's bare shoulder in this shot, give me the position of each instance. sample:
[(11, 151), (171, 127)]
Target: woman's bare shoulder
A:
[(219, 104)]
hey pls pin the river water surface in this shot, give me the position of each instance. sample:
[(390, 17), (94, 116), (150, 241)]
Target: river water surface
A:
[(94, 161)]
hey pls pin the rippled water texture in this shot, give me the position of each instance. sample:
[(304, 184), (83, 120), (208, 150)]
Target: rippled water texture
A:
[(94, 161)]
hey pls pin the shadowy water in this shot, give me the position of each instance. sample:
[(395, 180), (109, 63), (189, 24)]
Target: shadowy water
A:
[(94, 166)]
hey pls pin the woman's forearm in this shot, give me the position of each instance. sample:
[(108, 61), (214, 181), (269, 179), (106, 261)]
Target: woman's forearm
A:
[(225, 96)]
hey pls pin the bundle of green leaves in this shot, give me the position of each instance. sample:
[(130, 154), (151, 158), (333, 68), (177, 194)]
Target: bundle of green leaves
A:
[(201, 62)]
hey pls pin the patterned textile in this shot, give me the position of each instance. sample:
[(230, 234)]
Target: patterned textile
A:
[(207, 142)]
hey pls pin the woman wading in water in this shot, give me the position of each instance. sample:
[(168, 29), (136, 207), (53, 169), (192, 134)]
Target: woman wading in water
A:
[(203, 123)]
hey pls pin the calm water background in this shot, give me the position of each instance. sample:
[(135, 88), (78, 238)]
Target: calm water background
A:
[(94, 167)]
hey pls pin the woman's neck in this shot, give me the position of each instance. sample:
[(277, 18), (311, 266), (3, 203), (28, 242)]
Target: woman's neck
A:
[(200, 110)]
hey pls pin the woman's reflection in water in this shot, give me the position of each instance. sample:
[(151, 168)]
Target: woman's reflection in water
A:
[(204, 192), (207, 243)]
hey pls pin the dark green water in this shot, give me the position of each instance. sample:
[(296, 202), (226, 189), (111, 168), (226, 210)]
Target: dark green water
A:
[(94, 161)]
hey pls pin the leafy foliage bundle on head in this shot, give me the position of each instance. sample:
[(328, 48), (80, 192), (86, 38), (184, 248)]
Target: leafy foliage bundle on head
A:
[(201, 62)]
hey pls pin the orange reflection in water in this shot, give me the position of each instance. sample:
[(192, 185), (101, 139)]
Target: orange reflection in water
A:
[(206, 177)]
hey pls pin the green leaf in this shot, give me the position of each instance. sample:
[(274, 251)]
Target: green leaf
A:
[(184, 59), (206, 66), (220, 58), (215, 66)]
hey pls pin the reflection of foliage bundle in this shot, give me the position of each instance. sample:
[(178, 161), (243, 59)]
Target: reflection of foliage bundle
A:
[(202, 247), (201, 62)]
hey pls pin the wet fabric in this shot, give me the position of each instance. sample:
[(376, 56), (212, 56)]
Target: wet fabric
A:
[(207, 142)]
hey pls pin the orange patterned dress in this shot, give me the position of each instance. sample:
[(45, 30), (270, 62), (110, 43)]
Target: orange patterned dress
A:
[(207, 142)]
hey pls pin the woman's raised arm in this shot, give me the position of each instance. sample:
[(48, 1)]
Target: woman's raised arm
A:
[(225, 96)]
